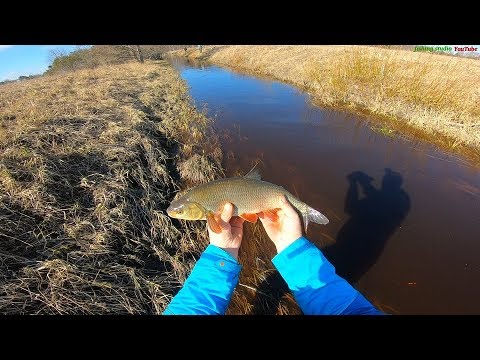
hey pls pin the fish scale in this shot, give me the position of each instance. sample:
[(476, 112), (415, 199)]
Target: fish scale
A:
[(249, 195)]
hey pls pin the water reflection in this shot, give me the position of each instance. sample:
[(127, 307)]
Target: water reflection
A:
[(359, 242), (372, 221), (310, 150)]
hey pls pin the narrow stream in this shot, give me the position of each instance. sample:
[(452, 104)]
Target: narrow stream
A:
[(404, 216)]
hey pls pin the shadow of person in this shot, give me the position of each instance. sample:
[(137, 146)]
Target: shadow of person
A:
[(373, 219)]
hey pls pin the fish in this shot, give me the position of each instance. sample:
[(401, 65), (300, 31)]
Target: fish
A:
[(248, 194)]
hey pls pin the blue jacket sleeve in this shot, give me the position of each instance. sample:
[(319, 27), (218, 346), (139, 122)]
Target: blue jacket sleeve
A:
[(315, 285), (209, 288)]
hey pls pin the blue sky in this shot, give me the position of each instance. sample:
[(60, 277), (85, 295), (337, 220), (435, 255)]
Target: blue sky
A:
[(17, 60)]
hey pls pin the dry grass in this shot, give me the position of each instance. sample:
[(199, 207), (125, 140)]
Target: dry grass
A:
[(438, 95), (261, 289), (89, 161)]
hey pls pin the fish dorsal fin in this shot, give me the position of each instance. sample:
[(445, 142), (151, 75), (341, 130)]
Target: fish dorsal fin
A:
[(253, 174)]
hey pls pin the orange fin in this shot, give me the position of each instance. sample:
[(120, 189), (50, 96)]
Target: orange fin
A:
[(213, 223), (271, 214), (249, 217)]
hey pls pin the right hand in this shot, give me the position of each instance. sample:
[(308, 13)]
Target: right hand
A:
[(286, 229)]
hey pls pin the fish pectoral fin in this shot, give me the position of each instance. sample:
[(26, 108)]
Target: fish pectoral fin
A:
[(249, 217), (271, 214), (213, 223)]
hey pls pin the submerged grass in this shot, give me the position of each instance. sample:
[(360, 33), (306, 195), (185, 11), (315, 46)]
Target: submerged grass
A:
[(89, 161), (438, 97)]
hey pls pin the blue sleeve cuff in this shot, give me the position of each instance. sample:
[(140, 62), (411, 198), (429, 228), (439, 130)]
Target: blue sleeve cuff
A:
[(216, 255), (313, 281), (295, 248), (299, 261), (361, 306), (209, 288)]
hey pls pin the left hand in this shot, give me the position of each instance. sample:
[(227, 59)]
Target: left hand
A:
[(232, 231)]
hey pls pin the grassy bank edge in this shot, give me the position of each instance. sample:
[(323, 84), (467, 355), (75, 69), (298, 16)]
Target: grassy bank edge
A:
[(89, 161), (387, 122)]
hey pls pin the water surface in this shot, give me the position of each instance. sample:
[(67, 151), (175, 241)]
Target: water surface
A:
[(404, 216)]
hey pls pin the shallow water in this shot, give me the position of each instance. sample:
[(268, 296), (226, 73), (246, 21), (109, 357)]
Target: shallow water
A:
[(404, 216)]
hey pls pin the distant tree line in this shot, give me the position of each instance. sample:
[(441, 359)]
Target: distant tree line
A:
[(96, 55), (23, 77)]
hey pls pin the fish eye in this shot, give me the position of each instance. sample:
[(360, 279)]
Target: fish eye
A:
[(180, 211)]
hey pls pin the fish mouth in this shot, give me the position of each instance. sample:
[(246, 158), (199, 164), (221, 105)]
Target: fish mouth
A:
[(173, 212), (170, 212)]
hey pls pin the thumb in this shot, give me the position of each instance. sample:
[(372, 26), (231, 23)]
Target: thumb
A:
[(287, 208), (227, 212)]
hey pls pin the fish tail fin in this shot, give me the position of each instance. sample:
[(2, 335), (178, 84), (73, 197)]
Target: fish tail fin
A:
[(314, 216)]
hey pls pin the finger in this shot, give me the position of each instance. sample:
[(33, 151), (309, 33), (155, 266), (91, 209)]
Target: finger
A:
[(214, 224), (287, 208), (210, 231), (227, 212), (264, 220), (237, 222)]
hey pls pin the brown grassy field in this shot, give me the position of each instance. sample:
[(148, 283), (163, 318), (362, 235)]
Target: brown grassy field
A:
[(89, 161), (436, 97)]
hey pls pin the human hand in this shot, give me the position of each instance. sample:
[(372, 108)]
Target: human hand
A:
[(284, 230), (230, 238)]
